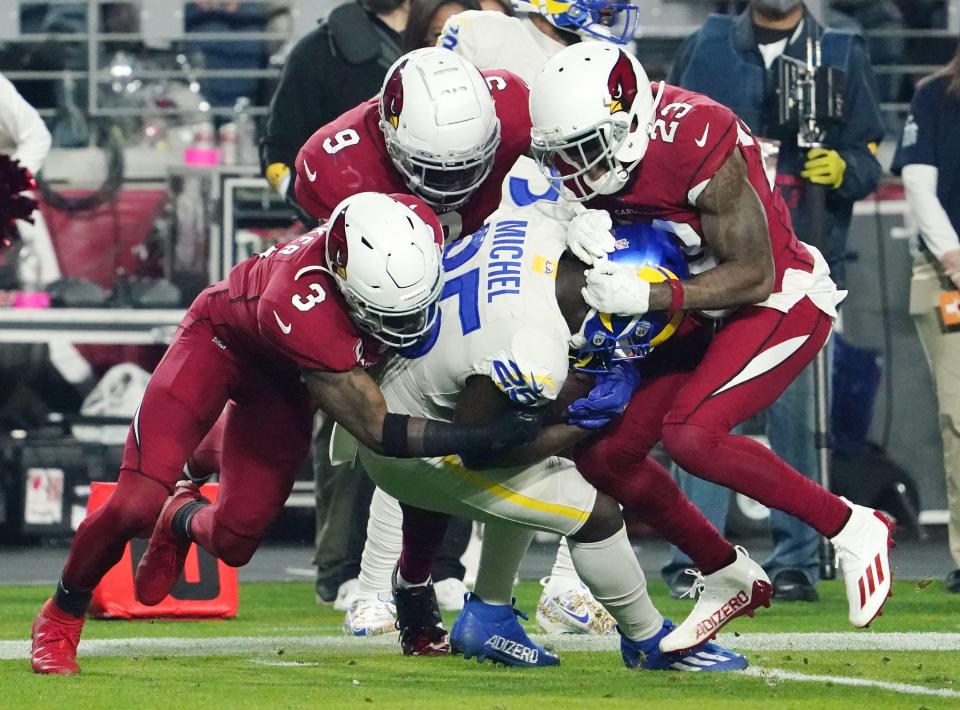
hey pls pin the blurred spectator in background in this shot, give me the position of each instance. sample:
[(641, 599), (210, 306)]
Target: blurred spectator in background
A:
[(329, 71), (928, 158), (733, 61), (24, 137), (222, 16), (23, 134), (926, 14), (860, 15), (427, 18)]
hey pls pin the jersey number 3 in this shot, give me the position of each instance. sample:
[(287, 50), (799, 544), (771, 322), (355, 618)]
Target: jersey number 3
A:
[(305, 303)]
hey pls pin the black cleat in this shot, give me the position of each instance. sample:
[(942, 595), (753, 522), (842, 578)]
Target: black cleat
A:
[(792, 585), (953, 582), (419, 621)]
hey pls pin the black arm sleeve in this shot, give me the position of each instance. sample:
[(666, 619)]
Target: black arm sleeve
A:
[(443, 439)]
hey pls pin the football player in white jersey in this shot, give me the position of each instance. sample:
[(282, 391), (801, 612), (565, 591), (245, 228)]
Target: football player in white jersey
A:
[(522, 44), (510, 308)]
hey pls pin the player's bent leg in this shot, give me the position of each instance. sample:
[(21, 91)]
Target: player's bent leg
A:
[(97, 546), (618, 464), (749, 364), (606, 562), (266, 438)]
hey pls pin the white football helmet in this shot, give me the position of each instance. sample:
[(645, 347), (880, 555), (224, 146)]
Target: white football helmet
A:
[(612, 21), (385, 257), (440, 125), (592, 110)]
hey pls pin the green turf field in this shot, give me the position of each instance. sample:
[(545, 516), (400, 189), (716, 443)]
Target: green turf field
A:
[(283, 651)]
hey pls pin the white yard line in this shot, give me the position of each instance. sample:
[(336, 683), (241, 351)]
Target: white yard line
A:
[(780, 675), (234, 645)]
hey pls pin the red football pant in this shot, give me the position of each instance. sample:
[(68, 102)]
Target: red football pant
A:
[(696, 388), (266, 435)]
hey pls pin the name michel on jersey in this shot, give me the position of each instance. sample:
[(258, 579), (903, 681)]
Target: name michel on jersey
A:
[(506, 259)]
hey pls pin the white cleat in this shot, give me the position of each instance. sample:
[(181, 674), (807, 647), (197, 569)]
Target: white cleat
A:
[(568, 607), (345, 594), (450, 593), (371, 615), (863, 555), (731, 591)]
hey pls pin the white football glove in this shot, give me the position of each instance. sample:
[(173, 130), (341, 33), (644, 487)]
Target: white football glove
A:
[(616, 288), (589, 237)]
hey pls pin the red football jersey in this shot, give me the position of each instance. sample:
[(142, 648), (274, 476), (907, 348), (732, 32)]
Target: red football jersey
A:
[(349, 155), (692, 138), (282, 309)]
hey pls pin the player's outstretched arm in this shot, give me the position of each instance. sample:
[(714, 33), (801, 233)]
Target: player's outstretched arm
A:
[(735, 226), (481, 403), (355, 401)]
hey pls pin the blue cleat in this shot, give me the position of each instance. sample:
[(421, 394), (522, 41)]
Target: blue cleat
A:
[(708, 657), (491, 631)]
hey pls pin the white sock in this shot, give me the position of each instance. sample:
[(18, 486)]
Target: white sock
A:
[(612, 572), (384, 543), (504, 545), (563, 564)]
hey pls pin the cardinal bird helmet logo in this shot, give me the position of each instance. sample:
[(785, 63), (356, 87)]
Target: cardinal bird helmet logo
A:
[(622, 84), (391, 103), (337, 245)]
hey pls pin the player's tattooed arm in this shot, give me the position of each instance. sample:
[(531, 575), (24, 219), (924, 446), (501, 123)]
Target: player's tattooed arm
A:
[(481, 403), (355, 401), (735, 226)]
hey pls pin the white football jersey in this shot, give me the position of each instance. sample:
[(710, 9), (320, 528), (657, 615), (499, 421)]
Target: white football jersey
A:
[(492, 40), (499, 318)]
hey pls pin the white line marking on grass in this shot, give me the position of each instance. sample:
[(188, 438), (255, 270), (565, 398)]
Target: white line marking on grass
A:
[(283, 664), (233, 645), (778, 674)]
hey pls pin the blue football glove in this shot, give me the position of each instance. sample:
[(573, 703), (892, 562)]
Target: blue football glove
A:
[(609, 397)]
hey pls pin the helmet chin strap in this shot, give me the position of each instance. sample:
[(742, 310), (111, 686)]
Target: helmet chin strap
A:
[(578, 339)]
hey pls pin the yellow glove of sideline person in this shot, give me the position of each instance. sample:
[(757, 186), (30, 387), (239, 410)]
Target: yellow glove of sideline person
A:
[(278, 175), (824, 166)]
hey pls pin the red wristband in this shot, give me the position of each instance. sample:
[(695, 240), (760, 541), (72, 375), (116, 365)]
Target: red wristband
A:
[(676, 295)]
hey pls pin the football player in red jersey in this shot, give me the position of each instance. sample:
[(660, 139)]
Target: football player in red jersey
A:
[(763, 300), (440, 129), (286, 332)]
